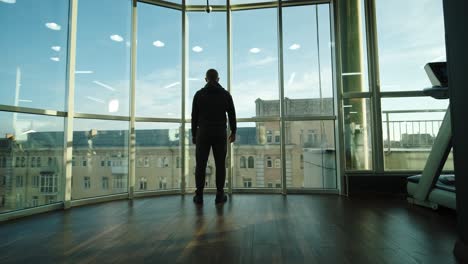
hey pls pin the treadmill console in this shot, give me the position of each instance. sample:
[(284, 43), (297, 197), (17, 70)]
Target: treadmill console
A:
[(437, 73)]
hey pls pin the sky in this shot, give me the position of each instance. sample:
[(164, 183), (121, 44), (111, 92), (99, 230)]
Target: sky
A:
[(34, 52)]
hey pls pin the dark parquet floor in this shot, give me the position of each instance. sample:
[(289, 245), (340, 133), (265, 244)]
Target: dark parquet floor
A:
[(247, 229)]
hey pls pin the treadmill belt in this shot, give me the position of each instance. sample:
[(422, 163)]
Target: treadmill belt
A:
[(445, 182)]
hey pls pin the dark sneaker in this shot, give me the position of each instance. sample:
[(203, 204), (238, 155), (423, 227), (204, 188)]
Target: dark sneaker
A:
[(220, 198), (198, 199)]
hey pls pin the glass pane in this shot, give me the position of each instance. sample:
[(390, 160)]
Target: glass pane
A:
[(158, 161), (103, 57), (308, 81), (207, 48), (409, 38), (353, 46), (357, 134), (31, 160), (311, 154), (413, 124), (34, 53), (158, 87), (257, 155), (100, 158), (255, 63), (190, 164)]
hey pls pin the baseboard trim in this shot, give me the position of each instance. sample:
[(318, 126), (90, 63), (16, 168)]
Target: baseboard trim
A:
[(461, 251)]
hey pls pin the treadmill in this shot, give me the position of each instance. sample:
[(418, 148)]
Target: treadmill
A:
[(431, 189)]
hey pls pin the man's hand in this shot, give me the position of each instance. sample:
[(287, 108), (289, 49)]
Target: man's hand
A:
[(232, 138)]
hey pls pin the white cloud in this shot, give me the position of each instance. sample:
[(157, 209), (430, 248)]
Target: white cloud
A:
[(265, 61), (8, 1), (254, 50), (53, 26), (56, 48), (95, 99), (55, 59), (159, 44), (197, 49), (294, 46), (116, 38), (104, 85)]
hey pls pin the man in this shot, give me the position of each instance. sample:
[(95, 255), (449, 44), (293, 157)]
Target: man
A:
[(209, 108)]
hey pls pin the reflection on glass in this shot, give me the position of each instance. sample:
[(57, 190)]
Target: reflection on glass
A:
[(257, 155), (409, 38), (308, 81), (311, 154), (100, 158), (207, 48), (31, 160), (255, 63), (103, 57), (157, 157), (353, 46), (33, 54), (158, 87), (410, 126), (357, 134)]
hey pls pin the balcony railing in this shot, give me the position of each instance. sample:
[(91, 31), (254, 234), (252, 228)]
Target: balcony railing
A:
[(413, 132)]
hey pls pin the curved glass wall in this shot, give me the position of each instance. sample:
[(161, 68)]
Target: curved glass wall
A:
[(122, 102)]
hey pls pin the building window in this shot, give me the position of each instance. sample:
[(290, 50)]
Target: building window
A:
[(278, 185), (277, 137), (103, 163), (270, 185), (49, 162), (73, 161), (3, 180), (87, 182), (84, 162), (163, 162), (146, 162), (35, 201), (119, 182), (302, 161), (251, 162), (17, 163), (143, 183), (23, 162), (109, 163), (140, 162), (269, 162), (35, 181), (277, 163), (19, 181), (105, 183), (163, 183), (269, 136), (33, 162), (49, 183), (242, 162), (38, 162), (177, 162), (247, 183)]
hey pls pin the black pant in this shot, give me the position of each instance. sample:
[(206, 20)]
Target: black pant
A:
[(207, 138)]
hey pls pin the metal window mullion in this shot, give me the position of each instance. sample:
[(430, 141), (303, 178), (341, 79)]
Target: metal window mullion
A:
[(281, 96), (68, 137), (229, 83), (182, 137), (374, 79), (132, 134), (343, 184)]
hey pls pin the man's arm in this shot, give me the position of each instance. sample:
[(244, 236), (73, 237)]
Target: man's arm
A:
[(195, 110), (231, 111)]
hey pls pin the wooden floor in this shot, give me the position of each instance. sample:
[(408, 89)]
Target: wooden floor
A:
[(248, 229)]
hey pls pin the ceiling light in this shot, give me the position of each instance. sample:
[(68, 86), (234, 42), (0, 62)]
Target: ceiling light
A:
[(25, 100), (294, 46), (56, 48), (116, 38), (83, 72), (254, 50), (53, 26), (113, 106), (104, 85), (158, 44), (55, 58), (197, 49), (28, 132), (8, 1), (95, 99)]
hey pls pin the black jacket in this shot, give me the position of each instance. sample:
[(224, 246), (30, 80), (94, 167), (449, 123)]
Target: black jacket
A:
[(209, 108)]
